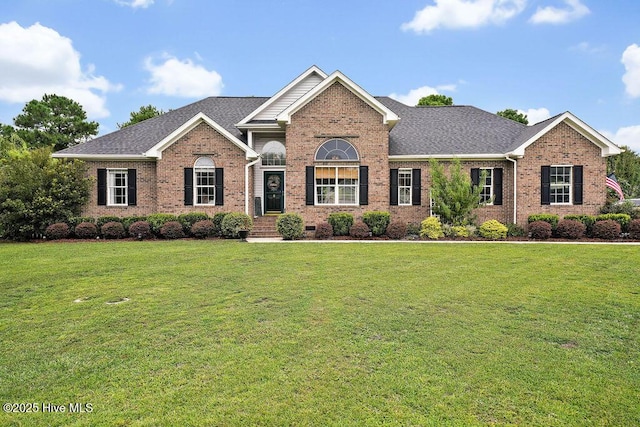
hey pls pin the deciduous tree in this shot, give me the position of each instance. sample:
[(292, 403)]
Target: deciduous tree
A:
[(435, 100), (512, 114), (145, 112)]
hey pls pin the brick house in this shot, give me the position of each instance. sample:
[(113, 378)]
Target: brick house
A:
[(323, 144)]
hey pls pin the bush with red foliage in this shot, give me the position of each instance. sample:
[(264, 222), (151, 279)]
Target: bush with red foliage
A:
[(324, 231), (140, 230), (571, 229), (113, 230), (359, 230), (56, 231), (540, 230), (86, 230), (607, 229), (202, 229), (634, 229), (172, 230), (397, 230)]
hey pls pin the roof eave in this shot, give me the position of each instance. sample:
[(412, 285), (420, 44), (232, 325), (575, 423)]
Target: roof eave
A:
[(97, 157), (419, 157)]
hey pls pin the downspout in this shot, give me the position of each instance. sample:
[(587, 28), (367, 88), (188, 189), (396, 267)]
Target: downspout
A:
[(515, 186), (246, 185)]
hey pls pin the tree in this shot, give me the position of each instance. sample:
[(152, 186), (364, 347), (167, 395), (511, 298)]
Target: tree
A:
[(10, 142), (454, 198), (626, 167), (435, 100), (55, 121), (512, 114), (37, 190), (145, 112)]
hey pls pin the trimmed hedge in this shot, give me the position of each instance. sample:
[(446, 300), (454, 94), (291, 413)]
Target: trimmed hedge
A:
[(540, 230), (620, 218), (341, 222), (140, 230), (431, 228), (290, 226), (324, 231), (634, 229), (59, 230), (377, 221), (113, 230), (202, 229), (172, 230), (156, 221), (397, 230), (359, 230), (587, 220), (607, 229), (571, 229), (234, 222), (552, 219), (493, 230), (86, 230), (105, 219), (188, 219), (217, 223)]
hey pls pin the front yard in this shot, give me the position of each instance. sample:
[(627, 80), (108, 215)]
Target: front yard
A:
[(165, 333)]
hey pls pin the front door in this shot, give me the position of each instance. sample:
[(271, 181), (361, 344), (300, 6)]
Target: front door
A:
[(274, 191)]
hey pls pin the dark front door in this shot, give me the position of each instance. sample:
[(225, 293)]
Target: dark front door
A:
[(274, 191)]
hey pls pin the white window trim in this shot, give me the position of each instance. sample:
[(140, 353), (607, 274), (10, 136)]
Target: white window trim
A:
[(197, 169), (111, 187), (484, 185), (410, 186), (551, 185), (336, 185)]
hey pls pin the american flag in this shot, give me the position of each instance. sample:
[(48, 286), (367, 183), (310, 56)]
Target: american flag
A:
[(612, 183)]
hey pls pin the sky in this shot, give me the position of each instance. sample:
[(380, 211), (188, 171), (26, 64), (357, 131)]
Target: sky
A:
[(541, 57)]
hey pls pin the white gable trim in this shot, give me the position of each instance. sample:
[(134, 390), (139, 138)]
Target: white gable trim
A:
[(156, 150), (388, 117), (244, 122), (607, 148)]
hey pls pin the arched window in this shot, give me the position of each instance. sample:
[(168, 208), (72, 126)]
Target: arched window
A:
[(274, 154), (205, 181), (336, 184), (337, 150)]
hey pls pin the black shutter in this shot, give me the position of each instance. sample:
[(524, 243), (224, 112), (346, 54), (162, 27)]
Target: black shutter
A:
[(393, 188), (309, 185), (577, 185), (102, 187), (364, 185), (188, 186), (219, 186), (416, 188), (475, 176), (132, 190), (497, 186), (545, 185)]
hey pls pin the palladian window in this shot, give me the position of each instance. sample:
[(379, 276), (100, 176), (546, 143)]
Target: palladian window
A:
[(274, 154), (337, 183)]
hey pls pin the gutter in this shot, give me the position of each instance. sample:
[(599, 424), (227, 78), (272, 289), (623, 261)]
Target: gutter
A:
[(515, 186), (246, 185)]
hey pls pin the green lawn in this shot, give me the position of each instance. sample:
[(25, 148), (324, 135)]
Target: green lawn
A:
[(229, 333)]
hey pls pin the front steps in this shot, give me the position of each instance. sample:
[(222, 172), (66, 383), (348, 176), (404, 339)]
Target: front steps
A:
[(264, 226)]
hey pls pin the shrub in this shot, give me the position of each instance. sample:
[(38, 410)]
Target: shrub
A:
[(217, 223), (290, 226), (552, 219), (202, 229), (74, 221), (127, 221), (514, 230), (324, 230), (431, 228), (113, 230), (234, 222), (540, 230), (172, 230), (341, 222), (634, 229), (413, 229), (493, 230), (188, 219), (397, 230), (86, 230), (626, 207), (459, 231), (620, 218), (587, 220), (140, 230), (105, 219), (607, 229), (359, 230), (56, 231), (378, 221), (571, 229), (156, 221)]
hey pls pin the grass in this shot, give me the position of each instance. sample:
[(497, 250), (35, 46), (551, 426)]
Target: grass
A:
[(226, 333)]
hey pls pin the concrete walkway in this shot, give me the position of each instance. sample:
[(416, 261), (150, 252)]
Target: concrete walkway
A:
[(515, 242)]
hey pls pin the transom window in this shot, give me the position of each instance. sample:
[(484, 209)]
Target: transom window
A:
[(117, 187), (274, 154), (336, 150), (560, 183), (404, 186), (205, 181), (337, 185), (486, 194)]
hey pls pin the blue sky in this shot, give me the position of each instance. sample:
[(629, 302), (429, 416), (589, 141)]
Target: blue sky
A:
[(542, 57)]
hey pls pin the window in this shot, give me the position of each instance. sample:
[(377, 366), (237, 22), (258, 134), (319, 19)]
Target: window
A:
[(491, 188), (337, 150), (205, 181), (274, 154), (336, 185), (560, 184), (404, 186), (117, 187), (486, 194)]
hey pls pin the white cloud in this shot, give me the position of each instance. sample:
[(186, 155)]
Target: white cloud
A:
[(414, 95), (185, 79), (463, 14), (136, 3), (536, 115), (631, 61), (629, 136), (37, 60), (553, 15), (587, 48)]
